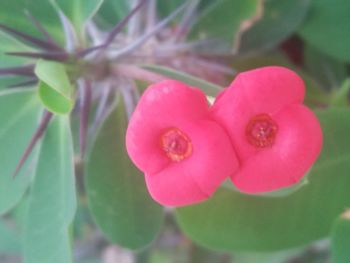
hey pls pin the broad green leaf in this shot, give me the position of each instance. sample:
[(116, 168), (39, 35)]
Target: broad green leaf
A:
[(327, 28), (79, 11), (233, 221), (210, 89), (223, 20), (328, 72), (280, 19), (117, 194), (19, 115), (12, 13), (341, 239), (9, 238), (55, 89), (52, 200)]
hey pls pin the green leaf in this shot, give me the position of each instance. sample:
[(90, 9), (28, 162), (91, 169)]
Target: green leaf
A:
[(327, 28), (12, 13), (223, 20), (233, 221), (112, 11), (52, 202), (341, 96), (328, 72), (287, 14), (20, 110), (208, 88), (55, 90), (79, 11), (117, 194), (341, 239), (9, 239), (53, 101)]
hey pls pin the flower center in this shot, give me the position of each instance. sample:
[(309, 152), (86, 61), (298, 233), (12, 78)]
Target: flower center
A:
[(261, 131), (176, 144)]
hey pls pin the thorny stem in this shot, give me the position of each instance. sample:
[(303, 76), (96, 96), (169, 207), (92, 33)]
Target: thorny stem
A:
[(35, 138)]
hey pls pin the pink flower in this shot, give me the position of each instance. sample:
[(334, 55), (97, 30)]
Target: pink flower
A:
[(276, 138), (184, 154)]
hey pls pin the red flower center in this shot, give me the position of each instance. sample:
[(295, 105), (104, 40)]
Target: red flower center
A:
[(176, 144), (261, 131)]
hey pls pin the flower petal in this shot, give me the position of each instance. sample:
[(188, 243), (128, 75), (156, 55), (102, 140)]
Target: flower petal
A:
[(297, 146), (265, 90), (197, 177), (166, 104)]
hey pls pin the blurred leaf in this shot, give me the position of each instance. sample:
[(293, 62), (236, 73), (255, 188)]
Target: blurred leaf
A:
[(208, 88), (112, 11), (341, 96), (341, 239), (12, 13), (280, 19), (9, 239), (55, 90), (223, 20), (329, 72), (116, 190), (52, 202), (79, 11), (20, 110), (233, 221), (327, 28)]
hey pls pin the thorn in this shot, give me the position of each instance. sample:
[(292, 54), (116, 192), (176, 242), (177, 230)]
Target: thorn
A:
[(35, 41), (122, 24), (26, 83), (41, 29), (35, 138), (84, 114), (57, 56), (102, 106), (69, 32), (22, 70), (140, 41), (115, 31)]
